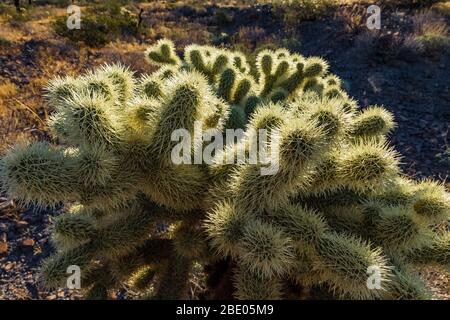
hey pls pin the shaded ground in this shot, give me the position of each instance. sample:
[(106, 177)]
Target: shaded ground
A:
[(416, 90)]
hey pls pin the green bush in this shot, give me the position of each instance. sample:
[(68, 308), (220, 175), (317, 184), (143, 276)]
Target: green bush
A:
[(295, 11), (101, 24), (337, 210), (410, 3)]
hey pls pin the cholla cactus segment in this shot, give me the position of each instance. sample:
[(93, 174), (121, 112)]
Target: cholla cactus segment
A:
[(315, 67), (367, 165), (122, 80), (225, 228), (142, 278), (151, 87), (265, 250), (162, 53), (310, 195), (398, 227), (373, 121), (253, 286), (39, 174), (347, 262), (432, 201), (60, 89)]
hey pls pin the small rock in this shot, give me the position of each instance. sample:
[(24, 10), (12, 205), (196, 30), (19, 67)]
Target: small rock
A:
[(28, 243), (21, 224), (52, 297), (9, 266), (3, 247)]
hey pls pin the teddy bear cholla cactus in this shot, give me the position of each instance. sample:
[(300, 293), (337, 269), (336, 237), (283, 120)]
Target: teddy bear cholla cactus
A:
[(337, 207)]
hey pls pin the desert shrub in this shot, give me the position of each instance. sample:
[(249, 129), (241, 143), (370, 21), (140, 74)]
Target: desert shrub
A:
[(430, 31), (336, 210), (380, 46), (222, 18), (100, 24), (410, 3), (444, 157), (353, 16), (295, 11)]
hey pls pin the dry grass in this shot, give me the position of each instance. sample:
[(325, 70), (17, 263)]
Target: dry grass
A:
[(431, 31)]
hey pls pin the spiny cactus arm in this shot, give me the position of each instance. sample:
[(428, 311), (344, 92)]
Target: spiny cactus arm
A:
[(181, 187), (404, 284), (313, 85), (267, 116), (372, 122), (398, 228), (265, 64), (333, 92), (95, 165), (306, 270), (94, 84), (252, 286), (367, 165), (250, 105), (315, 67), (346, 219), (117, 235), (174, 280), (162, 53), (239, 60), (191, 242), (437, 252), (265, 249), (242, 89), (122, 80), (60, 89), (294, 81), (151, 87), (333, 80), (70, 229), (302, 224), (431, 201), (324, 178), (124, 232), (54, 269), (300, 145), (218, 116), (96, 292), (236, 118), (142, 278), (278, 95), (224, 227), (209, 61), (154, 252), (91, 120), (139, 118), (221, 61), (38, 174), (331, 118), (227, 84), (346, 261), (166, 72), (186, 99), (399, 191)]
